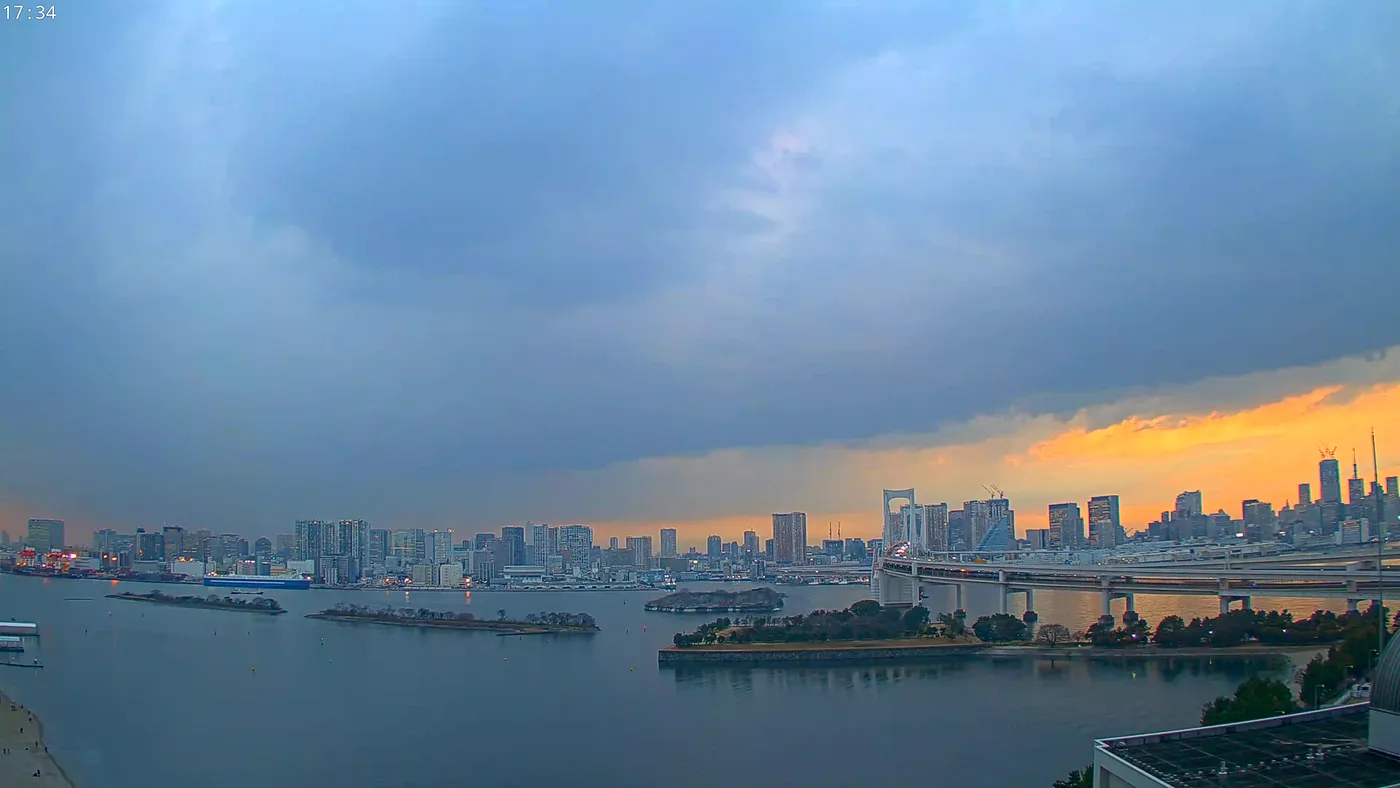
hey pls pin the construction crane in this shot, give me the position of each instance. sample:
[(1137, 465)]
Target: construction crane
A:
[(1328, 452), (994, 491)]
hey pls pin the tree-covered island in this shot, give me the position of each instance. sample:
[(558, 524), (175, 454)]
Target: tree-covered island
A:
[(865, 622), (754, 600), (262, 604), (423, 618)]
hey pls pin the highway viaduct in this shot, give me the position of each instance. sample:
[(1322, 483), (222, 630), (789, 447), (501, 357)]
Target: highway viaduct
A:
[(896, 581)]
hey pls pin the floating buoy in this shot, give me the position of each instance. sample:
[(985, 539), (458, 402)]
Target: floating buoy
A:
[(644, 627), (633, 670), (255, 668)]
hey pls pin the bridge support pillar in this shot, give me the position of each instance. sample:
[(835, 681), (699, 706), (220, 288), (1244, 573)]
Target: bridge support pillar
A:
[(1106, 607), (1224, 605), (1005, 599), (959, 595), (1130, 615), (1246, 604), (1030, 616), (1351, 605)]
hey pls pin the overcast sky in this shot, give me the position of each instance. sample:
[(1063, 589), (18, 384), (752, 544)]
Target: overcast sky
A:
[(417, 262)]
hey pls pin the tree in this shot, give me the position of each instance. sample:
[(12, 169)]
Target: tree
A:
[(1000, 628), (1077, 779), (1053, 635), (916, 618), (866, 607), (1256, 698), (954, 625), (1171, 632)]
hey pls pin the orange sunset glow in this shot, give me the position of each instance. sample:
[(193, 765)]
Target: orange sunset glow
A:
[(1259, 452)]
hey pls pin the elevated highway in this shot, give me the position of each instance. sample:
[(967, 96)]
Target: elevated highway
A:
[(897, 580)]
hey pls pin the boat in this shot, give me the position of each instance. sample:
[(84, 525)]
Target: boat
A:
[(246, 593), (8, 643), (256, 581)]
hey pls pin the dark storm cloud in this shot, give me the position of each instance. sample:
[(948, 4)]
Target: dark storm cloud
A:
[(259, 265)]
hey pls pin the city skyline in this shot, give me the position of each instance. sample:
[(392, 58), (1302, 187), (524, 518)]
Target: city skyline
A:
[(861, 248), (1286, 434)]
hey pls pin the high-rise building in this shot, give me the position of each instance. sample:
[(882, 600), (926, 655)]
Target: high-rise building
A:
[(978, 516), (149, 546), (714, 547), (1066, 527), (957, 530), (1304, 494), (936, 527), (283, 546), (262, 548), (752, 547), (104, 542), (440, 546), (513, 554), (641, 550), (378, 546), (1329, 476), (45, 535), (790, 538), (1392, 486), (1104, 521), (612, 543), (1356, 491), (577, 542), (1190, 504), (308, 540), (668, 543), (172, 541)]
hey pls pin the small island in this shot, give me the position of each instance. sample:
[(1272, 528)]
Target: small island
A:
[(868, 631), (754, 600), (264, 605), (423, 618)]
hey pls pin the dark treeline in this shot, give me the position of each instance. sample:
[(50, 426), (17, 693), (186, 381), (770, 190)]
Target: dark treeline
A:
[(864, 620), (424, 614)]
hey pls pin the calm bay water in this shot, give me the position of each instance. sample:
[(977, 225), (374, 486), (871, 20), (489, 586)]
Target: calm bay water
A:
[(139, 695)]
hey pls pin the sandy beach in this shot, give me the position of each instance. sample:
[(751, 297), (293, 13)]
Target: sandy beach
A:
[(22, 751)]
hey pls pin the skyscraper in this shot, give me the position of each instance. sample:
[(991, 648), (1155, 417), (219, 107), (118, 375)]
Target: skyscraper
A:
[(441, 546), (1190, 504), (1392, 486), (1304, 494), (752, 547), (45, 535), (1104, 522), (936, 527), (790, 538), (714, 547), (668, 543), (1329, 475), (1066, 527), (978, 517), (641, 550), (378, 546), (513, 552), (577, 541)]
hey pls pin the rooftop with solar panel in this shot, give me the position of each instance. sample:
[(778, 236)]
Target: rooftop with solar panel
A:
[(1351, 746)]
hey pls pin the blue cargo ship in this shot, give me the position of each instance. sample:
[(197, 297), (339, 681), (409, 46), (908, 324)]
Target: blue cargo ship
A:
[(256, 581)]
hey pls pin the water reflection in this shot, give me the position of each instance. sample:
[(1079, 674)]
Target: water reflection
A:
[(742, 679)]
